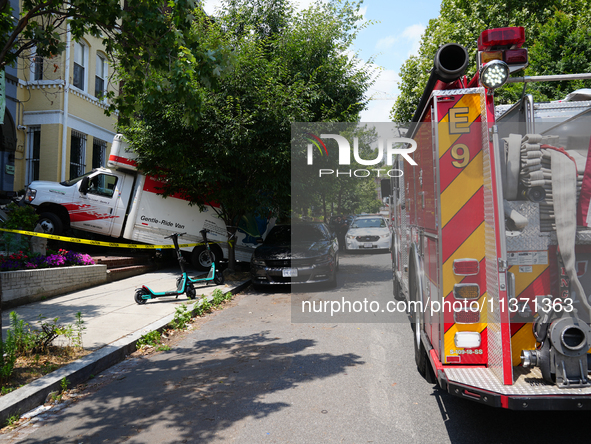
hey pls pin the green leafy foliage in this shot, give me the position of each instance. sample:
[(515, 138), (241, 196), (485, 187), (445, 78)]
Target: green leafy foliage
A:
[(217, 297), (7, 356), (556, 31), (20, 217), (22, 340), (152, 339), (237, 153), (182, 317), (149, 42)]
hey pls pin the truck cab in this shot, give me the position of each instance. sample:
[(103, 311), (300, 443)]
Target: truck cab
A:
[(94, 202)]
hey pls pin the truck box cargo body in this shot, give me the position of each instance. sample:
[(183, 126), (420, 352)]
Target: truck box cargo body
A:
[(120, 202), (486, 251)]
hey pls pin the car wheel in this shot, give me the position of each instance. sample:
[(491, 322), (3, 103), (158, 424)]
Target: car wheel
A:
[(51, 223), (258, 287), (201, 258), (333, 281)]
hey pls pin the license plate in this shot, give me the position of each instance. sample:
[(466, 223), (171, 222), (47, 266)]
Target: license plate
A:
[(367, 245), (290, 272)]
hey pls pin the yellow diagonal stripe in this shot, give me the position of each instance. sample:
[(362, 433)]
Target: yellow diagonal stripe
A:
[(446, 140), (461, 189), (524, 280)]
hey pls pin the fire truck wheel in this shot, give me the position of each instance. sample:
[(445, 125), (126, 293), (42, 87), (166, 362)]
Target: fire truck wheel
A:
[(422, 361), (397, 291), (51, 223)]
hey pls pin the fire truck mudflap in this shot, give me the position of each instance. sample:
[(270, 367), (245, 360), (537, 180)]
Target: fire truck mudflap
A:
[(486, 248)]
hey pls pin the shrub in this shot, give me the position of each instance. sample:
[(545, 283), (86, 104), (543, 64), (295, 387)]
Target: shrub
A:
[(63, 258)]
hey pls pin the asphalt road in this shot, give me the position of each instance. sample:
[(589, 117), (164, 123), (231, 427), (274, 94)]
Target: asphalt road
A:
[(263, 371)]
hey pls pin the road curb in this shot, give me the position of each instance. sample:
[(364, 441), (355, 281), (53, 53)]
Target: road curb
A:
[(32, 395)]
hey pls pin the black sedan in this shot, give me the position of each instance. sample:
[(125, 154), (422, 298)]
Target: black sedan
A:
[(296, 254)]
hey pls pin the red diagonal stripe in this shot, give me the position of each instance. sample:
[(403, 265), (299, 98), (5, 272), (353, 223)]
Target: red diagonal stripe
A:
[(463, 224)]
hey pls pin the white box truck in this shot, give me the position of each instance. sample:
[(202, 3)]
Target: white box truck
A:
[(120, 202)]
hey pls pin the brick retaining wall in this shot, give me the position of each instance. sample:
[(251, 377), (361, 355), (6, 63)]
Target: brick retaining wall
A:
[(24, 286)]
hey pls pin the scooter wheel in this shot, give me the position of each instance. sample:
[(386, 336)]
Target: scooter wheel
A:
[(191, 293), (218, 279), (138, 296)]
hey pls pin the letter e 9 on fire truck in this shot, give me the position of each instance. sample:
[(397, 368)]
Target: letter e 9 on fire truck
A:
[(492, 233)]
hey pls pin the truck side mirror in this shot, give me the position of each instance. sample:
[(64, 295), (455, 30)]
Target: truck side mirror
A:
[(84, 185)]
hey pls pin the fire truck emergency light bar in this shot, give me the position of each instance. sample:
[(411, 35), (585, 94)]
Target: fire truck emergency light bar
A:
[(501, 38)]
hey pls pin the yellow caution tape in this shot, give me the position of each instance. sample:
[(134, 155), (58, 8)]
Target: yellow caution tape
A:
[(104, 244)]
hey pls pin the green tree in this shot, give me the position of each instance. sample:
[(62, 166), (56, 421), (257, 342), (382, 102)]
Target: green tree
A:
[(462, 21), (148, 40), (238, 153), (563, 46)]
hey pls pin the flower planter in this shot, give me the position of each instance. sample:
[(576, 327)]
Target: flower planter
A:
[(25, 286)]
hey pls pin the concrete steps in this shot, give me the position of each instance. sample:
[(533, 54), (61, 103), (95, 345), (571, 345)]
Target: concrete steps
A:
[(122, 267)]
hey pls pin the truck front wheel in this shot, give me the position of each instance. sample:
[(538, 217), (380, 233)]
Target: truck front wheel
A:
[(51, 223)]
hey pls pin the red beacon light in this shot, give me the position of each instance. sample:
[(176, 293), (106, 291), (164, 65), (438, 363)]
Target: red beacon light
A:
[(501, 38)]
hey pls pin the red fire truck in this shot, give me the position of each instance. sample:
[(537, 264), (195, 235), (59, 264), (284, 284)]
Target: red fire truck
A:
[(491, 242)]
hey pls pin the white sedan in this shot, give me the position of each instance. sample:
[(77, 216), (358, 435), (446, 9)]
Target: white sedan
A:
[(368, 233)]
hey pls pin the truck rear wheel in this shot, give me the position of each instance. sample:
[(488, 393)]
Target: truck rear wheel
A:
[(201, 258), (421, 358), (51, 223)]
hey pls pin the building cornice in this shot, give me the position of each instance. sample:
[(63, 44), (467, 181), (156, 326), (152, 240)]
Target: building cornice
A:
[(36, 118), (60, 84)]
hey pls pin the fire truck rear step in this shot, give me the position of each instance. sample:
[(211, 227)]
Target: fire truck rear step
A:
[(527, 382)]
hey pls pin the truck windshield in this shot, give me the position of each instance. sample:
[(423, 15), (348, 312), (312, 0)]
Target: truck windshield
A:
[(69, 183)]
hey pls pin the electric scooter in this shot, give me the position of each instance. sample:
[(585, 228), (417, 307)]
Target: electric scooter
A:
[(183, 282), (217, 278)]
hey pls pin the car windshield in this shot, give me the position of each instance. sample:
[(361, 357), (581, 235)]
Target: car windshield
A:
[(69, 183), (377, 222), (282, 234)]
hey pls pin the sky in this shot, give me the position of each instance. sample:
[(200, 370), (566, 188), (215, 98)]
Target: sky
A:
[(392, 37)]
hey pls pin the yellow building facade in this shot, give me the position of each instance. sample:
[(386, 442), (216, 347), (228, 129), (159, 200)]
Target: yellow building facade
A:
[(61, 125)]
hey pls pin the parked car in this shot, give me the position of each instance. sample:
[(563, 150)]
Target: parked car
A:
[(296, 254), (368, 233)]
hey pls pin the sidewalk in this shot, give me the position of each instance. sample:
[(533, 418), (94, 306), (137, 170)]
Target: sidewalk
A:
[(113, 321)]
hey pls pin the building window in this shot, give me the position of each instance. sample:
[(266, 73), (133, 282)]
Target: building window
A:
[(99, 152), (80, 51), (38, 68), (77, 154), (33, 158), (101, 76), (36, 65)]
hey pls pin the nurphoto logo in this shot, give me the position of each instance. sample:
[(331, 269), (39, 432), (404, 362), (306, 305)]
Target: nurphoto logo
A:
[(387, 150)]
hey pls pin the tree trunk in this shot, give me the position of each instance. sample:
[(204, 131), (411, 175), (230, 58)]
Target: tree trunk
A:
[(231, 247)]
